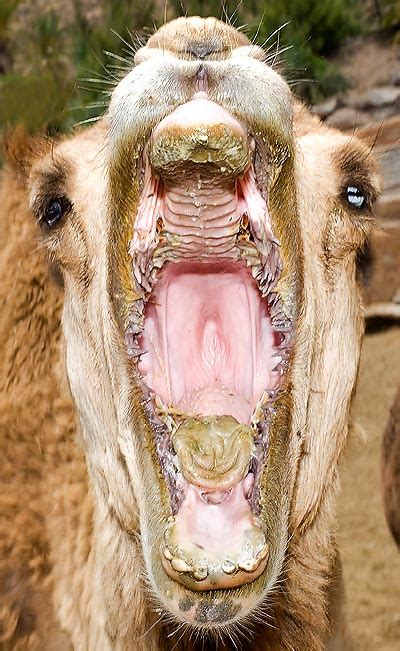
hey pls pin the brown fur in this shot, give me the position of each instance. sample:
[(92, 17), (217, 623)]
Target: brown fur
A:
[(44, 480), (36, 421)]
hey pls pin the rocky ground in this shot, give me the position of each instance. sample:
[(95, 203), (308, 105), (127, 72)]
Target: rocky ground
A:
[(371, 560), (371, 67)]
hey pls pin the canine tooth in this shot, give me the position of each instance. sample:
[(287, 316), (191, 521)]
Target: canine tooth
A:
[(229, 567), (142, 261), (145, 284), (179, 565), (171, 519), (200, 572), (167, 553), (137, 274)]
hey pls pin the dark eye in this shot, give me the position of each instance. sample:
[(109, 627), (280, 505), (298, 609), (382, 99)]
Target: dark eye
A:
[(55, 210), (355, 196)]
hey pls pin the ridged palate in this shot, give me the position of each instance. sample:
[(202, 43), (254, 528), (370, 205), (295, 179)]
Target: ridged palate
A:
[(200, 215)]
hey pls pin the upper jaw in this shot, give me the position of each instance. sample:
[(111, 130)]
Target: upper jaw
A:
[(141, 161)]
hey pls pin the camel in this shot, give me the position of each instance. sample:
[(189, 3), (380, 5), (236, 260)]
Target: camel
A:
[(391, 469), (181, 326)]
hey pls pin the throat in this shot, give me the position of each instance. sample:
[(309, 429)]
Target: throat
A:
[(207, 344)]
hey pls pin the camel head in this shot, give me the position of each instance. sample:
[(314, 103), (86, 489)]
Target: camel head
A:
[(207, 234)]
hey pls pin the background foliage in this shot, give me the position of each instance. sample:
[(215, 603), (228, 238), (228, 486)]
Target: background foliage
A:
[(43, 53)]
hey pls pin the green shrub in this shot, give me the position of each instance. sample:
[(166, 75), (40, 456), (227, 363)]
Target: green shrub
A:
[(389, 11), (35, 100), (7, 9), (41, 89)]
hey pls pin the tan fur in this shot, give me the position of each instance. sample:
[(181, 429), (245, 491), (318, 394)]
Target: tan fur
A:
[(73, 572)]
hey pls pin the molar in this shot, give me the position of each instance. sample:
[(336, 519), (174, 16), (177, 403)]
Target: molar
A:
[(228, 566), (200, 571)]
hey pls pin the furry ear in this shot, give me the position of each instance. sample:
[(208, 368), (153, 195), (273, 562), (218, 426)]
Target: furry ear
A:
[(19, 150)]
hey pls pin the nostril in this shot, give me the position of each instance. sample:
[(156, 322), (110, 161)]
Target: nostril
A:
[(203, 50)]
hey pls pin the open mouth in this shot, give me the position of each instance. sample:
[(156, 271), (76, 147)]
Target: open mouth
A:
[(211, 335)]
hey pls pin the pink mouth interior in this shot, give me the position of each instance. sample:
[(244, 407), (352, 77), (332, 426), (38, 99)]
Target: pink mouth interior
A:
[(209, 344), (207, 340)]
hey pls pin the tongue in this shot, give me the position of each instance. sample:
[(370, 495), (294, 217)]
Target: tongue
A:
[(217, 400)]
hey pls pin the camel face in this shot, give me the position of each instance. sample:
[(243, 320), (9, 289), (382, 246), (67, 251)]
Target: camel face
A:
[(207, 236)]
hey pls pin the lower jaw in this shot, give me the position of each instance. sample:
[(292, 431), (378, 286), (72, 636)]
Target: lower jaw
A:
[(222, 546), (219, 604)]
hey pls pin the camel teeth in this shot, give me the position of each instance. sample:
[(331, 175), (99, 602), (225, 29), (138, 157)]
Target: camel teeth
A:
[(167, 553), (145, 284), (179, 565), (249, 565), (137, 274), (200, 571), (229, 567)]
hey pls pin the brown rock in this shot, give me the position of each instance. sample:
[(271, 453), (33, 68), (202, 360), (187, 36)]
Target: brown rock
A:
[(384, 113), (384, 280), (378, 97), (396, 79), (325, 108), (389, 204), (347, 118)]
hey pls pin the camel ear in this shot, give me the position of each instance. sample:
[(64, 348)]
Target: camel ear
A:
[(19, 150)]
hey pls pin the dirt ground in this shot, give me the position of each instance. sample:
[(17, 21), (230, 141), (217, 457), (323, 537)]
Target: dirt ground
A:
[(371, 560)]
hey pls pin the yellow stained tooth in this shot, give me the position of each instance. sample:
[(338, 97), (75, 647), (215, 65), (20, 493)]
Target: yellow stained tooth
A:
[(179, 565), (168, 555), (202, 137), (200, 572), (229, 567)]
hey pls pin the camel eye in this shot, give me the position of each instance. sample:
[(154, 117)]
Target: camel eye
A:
[(355, 196), (55, 210)]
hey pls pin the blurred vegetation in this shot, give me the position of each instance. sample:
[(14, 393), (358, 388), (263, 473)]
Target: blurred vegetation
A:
[(59, 75), (389, 13), (42, 56)]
